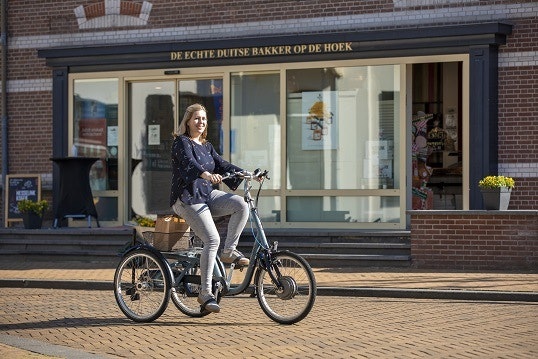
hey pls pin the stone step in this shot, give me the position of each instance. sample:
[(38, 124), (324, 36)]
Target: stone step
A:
[(340, 248), (336, 236), (357, 260), (321, 249), (346, 254)]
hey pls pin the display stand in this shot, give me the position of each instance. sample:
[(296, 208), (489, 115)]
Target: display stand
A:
[(76, 198), (19, 187)]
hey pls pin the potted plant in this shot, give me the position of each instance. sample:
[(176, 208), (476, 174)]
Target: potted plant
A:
[(496, 191), (32, 212)]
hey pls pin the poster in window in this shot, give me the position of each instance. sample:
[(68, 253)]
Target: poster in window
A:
[(112, 136), (154, 135), (92, 137), (319, 120)]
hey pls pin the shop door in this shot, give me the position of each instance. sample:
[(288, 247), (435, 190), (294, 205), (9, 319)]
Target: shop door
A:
[(155, 109), (151, 123), (437, 136), (94, 133)]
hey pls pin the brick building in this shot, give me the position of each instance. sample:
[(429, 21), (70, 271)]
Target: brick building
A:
[(362, 110)]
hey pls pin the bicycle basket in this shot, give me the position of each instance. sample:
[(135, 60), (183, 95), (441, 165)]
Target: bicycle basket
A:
[(169, 241)]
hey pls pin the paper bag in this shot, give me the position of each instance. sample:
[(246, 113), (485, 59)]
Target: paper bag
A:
[(171, 233)]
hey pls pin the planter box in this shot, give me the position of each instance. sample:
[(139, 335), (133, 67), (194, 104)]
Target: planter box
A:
[(32, 220), (497, 198)]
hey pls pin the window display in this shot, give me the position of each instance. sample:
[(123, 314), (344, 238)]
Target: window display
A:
[(342, 127)]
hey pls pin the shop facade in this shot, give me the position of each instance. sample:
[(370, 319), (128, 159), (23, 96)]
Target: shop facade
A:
[(356, 127)]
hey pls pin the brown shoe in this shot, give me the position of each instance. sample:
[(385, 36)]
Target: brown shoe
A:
[(234, 257)]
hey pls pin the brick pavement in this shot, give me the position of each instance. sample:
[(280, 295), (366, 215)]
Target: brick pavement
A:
[(87, 272), (349, 277), (337, 327)]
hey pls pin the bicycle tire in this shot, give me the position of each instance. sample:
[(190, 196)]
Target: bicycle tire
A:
[(185, 294), (291, 303), (142, 286)]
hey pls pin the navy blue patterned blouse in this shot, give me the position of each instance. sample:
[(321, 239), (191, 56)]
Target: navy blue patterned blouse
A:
[(189, 161)]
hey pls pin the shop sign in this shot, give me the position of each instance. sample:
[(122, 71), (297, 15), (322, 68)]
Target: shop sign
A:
[(260, 51)]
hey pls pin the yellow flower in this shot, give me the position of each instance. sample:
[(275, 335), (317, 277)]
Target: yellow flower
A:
[(144, 221), (496, 182)]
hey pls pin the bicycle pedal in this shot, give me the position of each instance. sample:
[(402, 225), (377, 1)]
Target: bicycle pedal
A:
[(238, 266), (135, 296)]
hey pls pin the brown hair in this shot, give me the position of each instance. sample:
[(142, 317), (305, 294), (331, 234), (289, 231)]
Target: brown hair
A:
[(183, 129)]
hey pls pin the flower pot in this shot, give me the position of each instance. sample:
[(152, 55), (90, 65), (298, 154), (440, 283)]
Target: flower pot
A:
[(32, 220), (496, 198)]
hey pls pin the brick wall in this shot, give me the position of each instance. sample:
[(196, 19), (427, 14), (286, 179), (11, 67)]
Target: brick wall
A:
[(518, 111), (524, 196), (32, 26), (30, 132), (58, 16), (475, 240)]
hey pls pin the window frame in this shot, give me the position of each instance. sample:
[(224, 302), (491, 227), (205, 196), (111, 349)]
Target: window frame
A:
[(404, 190)]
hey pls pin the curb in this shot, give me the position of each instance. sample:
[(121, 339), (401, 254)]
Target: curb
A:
[(455, 294), (57, 284), (33, 346), (478, 295)]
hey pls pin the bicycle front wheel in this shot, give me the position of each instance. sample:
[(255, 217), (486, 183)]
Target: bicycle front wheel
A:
[(292, 300), (142, 286)]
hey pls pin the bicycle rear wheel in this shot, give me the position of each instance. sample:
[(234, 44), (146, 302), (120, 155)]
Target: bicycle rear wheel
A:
[(293, 300), (142, 286)]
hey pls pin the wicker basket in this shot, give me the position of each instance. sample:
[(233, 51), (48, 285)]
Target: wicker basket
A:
[(169, 241)]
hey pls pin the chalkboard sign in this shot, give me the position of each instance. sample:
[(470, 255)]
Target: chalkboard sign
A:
[(19, 187)]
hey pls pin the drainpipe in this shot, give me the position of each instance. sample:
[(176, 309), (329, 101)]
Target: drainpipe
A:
[(5, 162)]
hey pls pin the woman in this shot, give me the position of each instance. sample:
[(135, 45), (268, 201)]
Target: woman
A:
[(196, 167)]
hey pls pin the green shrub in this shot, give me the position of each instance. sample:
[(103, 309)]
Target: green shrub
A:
[(27, 205)]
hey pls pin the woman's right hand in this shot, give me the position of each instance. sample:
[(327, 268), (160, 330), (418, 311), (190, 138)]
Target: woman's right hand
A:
[(212, 177)]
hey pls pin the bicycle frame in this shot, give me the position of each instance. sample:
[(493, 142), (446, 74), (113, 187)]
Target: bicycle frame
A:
[(260, 244)]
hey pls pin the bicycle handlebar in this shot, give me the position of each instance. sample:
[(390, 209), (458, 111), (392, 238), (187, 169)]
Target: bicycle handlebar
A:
[(246, 174)]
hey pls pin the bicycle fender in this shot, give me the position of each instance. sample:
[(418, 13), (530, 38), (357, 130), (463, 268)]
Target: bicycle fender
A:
[(138, 245)]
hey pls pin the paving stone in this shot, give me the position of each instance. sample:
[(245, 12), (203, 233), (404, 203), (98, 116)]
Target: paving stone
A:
[(337, 327)]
